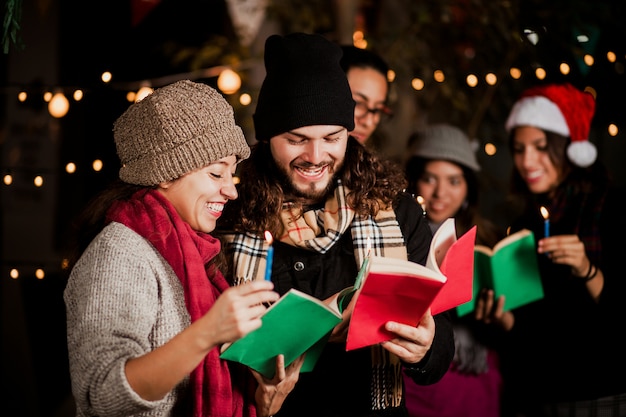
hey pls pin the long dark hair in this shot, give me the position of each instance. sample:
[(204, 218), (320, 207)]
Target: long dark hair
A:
[(373, 183), (576, 179), (468, 214), (92, 219)]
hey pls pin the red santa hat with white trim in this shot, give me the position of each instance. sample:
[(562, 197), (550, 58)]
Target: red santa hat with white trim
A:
[(562, 109)]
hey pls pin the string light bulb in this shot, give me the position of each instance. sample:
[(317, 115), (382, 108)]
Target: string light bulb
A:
[(58, 105), (228, 81)]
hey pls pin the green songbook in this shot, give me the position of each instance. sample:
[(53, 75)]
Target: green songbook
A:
[(510, 269), (296, 323)]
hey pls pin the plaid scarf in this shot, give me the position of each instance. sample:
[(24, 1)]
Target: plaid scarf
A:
[(318, 230), (188, 252)]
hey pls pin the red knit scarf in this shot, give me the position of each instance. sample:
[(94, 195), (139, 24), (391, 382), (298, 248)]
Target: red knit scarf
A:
[(151, 215)]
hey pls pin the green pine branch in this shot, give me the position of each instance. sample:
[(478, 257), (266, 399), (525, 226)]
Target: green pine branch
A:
[(11, 25)]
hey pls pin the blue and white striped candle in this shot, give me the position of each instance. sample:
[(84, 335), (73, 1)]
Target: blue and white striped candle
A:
[(270, 256)]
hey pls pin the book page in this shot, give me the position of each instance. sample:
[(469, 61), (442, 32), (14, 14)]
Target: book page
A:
[(393, 290), (458, 267), (443, 239)]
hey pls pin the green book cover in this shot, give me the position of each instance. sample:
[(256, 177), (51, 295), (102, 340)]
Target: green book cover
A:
[(296, 323), (510, 269)]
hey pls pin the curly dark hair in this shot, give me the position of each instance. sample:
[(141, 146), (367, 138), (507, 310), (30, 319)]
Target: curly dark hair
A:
[(373, 183)]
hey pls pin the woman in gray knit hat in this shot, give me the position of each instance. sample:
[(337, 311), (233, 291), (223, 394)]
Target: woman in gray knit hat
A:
[(147, 305), (443, 171)]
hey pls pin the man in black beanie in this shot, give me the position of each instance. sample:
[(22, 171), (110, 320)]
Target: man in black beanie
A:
[(323, 196)]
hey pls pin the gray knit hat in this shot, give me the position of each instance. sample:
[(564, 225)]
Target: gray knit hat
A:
[(175, 130), (304, 86), (443, 141)]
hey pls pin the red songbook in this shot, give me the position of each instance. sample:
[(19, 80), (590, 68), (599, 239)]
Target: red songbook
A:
[(403, 291)]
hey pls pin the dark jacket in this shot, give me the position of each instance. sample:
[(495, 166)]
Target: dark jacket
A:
[(567, 347), (339, 385)]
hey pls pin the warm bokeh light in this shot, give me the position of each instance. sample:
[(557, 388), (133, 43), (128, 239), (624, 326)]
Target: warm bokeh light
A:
[(38, 181), (391, 75), (490, 149), (588, 60), (439, 76), (14, 273), (611, 56), (564, 68), (106, 77), (589, 89), (47, 96), (245, 99), (471, 80), (22, 96), (540, 73), (97, 165), (229, 81), (613, 130), (7, 179), (78, 95), (361, 43), (358, 39), (39, 273), (131, 96), (491, 78), (143, 92), (70, 167), (417, 84), (58, 105), (516, 73)]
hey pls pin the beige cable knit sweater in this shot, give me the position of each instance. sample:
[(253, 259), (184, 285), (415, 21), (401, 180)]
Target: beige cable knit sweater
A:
[(122, 300)]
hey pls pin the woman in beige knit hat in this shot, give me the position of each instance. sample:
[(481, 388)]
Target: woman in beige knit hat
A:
[(147, 305)]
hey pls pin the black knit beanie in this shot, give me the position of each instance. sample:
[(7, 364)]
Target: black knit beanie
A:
[(304, 86)]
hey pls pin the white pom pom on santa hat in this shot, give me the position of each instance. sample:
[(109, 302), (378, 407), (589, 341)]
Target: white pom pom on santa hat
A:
[(562, 109)]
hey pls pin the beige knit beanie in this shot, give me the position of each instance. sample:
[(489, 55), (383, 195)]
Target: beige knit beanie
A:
[(175, 130)]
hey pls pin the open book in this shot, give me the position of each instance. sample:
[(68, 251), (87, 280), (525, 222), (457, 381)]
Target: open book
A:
[(294, 324), (402, 291), (510, 269)]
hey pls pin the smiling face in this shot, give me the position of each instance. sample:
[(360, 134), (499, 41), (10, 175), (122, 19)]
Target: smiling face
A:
[(309, 157), (444, 189), (532, 159), (369, 91), (199, 196)]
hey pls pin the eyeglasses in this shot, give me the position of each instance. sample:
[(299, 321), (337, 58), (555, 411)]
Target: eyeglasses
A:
[(361, 110)]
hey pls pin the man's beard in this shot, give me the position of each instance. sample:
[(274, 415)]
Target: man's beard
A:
[(311, 194)]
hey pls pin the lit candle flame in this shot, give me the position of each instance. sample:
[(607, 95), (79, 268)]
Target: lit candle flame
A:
[(544, 212)]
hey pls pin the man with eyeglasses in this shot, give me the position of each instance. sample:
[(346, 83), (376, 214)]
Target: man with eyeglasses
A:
[(367, 76)]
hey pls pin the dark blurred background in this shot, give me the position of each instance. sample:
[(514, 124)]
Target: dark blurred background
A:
[(61, 46)]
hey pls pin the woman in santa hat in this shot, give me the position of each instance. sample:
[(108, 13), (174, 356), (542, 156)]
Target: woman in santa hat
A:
[(563, 355)]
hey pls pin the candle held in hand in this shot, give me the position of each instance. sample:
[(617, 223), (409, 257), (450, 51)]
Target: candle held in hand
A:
[(546, 221), (270, 256)]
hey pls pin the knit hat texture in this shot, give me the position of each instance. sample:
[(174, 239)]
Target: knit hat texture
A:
[(447, 142), (562, 109), (304, 86), (175, 130)]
